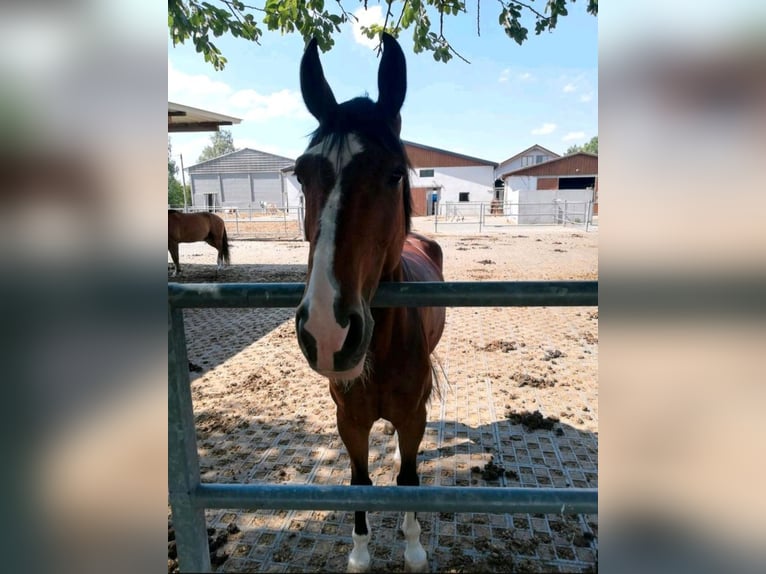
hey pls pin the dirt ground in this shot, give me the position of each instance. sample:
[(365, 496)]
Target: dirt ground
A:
[(519, 407)]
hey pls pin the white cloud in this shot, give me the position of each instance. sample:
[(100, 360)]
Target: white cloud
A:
[(372, 15), (569, 88), (189, 146), (504, 75), (525, 76), (202, 91), (254, 106), (572, 136), (585, 98), (544, 129), (194, 90)]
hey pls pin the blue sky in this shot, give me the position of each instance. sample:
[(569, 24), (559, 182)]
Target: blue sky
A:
[(508, 98)]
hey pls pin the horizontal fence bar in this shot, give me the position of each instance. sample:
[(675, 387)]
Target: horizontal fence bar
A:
[(415, 294), (399, 498)]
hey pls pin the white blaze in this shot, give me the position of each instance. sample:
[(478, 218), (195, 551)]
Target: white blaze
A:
[(322, 289)]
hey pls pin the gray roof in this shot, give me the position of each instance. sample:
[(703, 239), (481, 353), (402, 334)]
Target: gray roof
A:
[(245, 160), (530, 148)]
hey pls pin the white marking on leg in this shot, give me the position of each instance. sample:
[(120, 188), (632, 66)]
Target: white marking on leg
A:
[(359, 559), (415, 559), (397, 453)]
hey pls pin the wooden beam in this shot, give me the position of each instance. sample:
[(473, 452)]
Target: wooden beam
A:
[(196, 126)]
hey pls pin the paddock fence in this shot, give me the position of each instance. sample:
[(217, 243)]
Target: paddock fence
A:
[(257, 221), (483, 215), (189, 497)]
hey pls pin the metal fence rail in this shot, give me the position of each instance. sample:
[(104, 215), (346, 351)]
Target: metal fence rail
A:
[(511, 214), (189, 497)]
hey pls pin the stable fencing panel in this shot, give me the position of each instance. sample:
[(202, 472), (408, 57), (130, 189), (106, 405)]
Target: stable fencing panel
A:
[(189, 497), (257, 220), (498, 214)]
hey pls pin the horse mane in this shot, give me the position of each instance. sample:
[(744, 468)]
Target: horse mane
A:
[(362, 116)]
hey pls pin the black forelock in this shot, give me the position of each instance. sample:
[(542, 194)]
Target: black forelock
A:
[(362, 117)]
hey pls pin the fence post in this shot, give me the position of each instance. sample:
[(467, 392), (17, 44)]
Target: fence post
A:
[(436, 217), (236, 219), (183, 461), (481, 216)]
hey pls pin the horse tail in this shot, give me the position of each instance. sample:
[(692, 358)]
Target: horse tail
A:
[(440, 380), (225, 246)]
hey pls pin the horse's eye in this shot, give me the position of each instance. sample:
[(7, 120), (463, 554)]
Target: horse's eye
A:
[(395, 178)]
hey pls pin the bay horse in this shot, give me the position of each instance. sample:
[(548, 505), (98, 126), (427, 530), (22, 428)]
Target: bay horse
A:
[(354, 176), (192, 227)]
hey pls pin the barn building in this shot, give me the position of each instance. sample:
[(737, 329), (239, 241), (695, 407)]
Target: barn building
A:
[(536, 193), (443, 177), (240, 179), (437, 177)]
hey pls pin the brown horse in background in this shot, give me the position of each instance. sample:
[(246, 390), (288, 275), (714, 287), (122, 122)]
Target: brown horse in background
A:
[(192, 227), (358, 205)]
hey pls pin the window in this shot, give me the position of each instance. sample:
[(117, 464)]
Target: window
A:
[(426, 173), (463, 196), (539, 158)]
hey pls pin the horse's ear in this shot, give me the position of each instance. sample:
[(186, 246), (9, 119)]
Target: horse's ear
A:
[(317, 94), (392, 79)]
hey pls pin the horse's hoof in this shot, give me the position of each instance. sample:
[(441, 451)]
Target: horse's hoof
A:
[(355, 565), (417, 563)]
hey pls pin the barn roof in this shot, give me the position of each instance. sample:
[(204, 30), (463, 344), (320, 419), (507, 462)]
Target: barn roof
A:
[(529, 149), (244, 160), (426, 156), (187, 119), (580, 163)]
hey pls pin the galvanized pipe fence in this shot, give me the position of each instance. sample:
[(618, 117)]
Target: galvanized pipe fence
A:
[(490, 215), (251, 216), (189, 497)]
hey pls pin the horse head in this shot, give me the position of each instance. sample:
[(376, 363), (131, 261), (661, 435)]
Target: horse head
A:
[(357, 196)]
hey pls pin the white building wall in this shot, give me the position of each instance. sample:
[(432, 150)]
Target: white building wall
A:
[(534, 206), (477, 181), (507, 166), (550, 205), (292, 190), (519, 162)]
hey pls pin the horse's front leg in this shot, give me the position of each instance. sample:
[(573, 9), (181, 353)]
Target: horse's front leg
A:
[(356, 438), (173, 248), (410, 435)]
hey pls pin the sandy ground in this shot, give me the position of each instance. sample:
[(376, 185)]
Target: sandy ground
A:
[(262, 415)]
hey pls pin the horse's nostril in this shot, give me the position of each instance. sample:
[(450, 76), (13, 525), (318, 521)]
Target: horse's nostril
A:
[(355, 334), (305, 339), (301, 314)]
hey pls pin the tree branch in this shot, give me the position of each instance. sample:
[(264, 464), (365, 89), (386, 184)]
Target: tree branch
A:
[(230, 3), (478, 14), (348, 15), (528, 7)]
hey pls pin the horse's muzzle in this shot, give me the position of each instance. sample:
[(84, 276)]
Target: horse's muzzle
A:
[(335, 349)]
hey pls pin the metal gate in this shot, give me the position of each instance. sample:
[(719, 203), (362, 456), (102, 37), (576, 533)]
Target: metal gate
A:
[(189, 497)]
